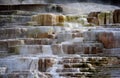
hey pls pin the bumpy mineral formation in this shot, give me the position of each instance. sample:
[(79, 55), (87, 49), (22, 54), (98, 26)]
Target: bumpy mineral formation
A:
[(68, 40)]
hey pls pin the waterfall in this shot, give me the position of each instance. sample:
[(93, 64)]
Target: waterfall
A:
[(47, 50), (59, 38)]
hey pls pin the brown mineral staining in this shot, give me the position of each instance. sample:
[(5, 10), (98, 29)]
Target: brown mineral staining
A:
[(93, 18), (104, 18), (49, 19), (108, 39), (116, 16), (45, 63), (58, 44)]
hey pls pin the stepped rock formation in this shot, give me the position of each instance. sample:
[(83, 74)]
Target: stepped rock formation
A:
[(102, 18), (59, 39), (48, 19)]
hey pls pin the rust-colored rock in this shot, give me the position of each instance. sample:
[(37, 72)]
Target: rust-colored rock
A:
[(101, 18), (93, 18), (68, 49), (48, 19), (116, 16), (92, 48), (45, 63), (87, 50), (109, 40), (96, 50), (60, 18)]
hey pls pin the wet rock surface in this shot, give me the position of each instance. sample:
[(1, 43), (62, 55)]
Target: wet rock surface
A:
[(58, 40)]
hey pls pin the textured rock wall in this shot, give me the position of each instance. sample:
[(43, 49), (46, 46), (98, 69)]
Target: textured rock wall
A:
[(104, 18), (115, 2)]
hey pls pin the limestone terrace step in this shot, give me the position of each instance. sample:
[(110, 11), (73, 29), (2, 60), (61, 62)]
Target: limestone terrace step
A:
[(72, 70), (31, 49), (29, 32), (17, 12), (75, 74), (6, 44), (4, 19), (27, 41), (26, 7)]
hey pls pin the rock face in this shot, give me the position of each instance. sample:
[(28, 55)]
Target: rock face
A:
[(58, 44), (45, 63), (56, 1), (45, 19), (48, 19), (116, 16), (104, 18), (29, 32), (110, 39)]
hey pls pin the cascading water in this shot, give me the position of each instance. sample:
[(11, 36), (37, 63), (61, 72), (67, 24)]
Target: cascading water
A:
[(53, 69), (47, 50), (61, 43)]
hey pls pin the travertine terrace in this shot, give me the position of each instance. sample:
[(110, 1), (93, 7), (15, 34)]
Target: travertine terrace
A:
[(55, 39)]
